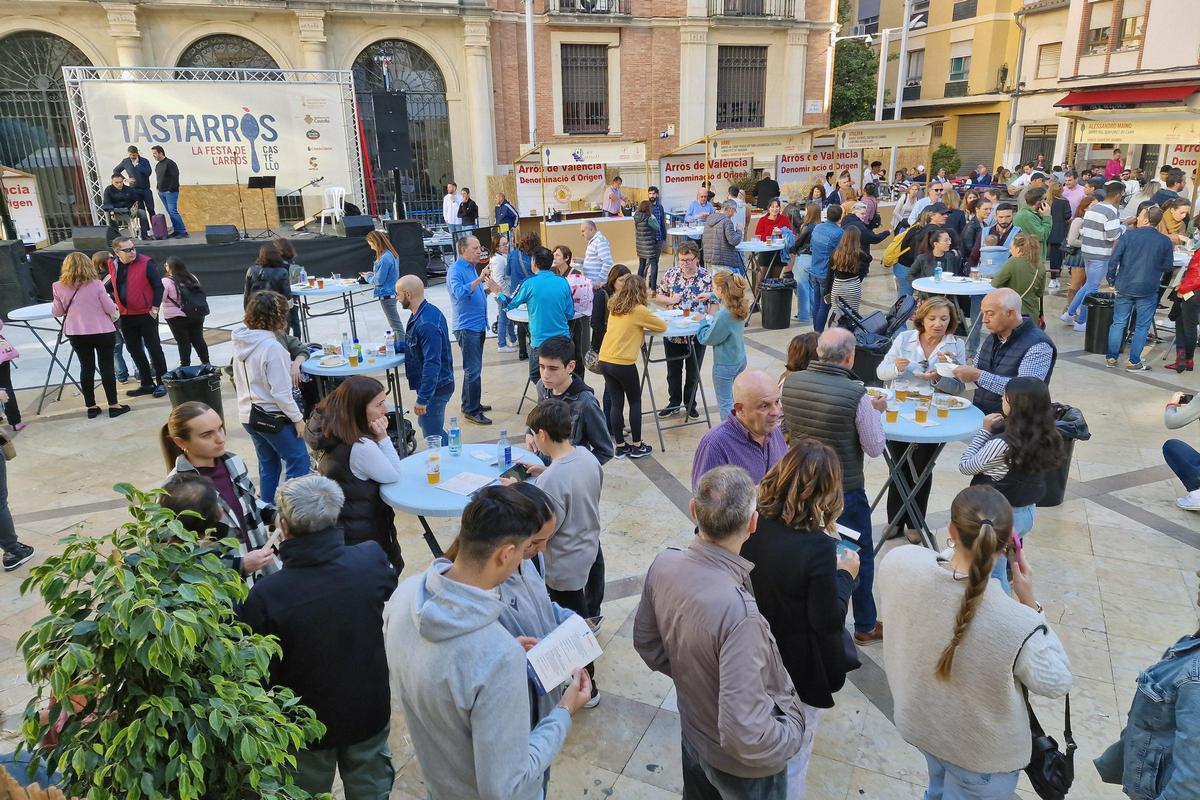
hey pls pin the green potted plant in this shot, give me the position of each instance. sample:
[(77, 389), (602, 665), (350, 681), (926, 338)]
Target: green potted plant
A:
[(155, 689), (945, 156)]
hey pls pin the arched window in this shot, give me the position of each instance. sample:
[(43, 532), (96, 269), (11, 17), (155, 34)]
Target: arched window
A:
[(225, 51), (394, 66), (35, 124)]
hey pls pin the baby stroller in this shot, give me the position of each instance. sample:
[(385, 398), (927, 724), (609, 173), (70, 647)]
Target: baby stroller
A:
[(873, 334)]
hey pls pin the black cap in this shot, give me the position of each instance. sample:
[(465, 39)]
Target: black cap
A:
[(938, 208), (1037, 173)]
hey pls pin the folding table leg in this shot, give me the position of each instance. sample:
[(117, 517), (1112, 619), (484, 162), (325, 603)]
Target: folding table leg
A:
[(430, 539)]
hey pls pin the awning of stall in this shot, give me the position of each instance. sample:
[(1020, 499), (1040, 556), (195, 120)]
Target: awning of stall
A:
[(758, 143), (1144, 126), (870, 134), (1132, 94)]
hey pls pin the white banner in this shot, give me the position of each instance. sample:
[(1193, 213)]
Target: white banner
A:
[(568, 187), (682, 177), (1187, 158), (795, 174), (595, 153), (24, 206), (224, 132)]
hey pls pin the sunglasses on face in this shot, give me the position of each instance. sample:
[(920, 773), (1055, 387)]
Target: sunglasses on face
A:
[(126, 249)]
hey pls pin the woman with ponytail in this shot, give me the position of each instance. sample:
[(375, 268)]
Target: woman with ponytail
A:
[(723, 332), (961, 653)]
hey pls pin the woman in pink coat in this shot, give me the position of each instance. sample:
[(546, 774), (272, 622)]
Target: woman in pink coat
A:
[(87, 314)]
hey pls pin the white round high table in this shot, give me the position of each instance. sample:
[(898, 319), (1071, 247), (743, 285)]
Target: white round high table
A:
[(338, 288), (958, 286), (25, 317)]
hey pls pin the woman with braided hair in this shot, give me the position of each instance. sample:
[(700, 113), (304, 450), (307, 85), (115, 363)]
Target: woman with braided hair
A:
[(961, 654)]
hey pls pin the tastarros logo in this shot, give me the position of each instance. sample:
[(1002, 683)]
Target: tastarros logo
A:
[(190, 129), (312, 134)]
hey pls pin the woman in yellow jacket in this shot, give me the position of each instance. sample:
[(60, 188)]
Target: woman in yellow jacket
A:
[(628, 320)]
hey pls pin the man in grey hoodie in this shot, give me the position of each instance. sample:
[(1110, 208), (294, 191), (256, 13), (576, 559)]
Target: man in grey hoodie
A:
[(461, 676)]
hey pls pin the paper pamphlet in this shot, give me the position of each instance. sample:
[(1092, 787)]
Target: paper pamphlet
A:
[(465, 483), (567, 648), (852, 535)]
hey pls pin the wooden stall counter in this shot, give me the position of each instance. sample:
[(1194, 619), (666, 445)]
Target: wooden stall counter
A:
[(618, 231)]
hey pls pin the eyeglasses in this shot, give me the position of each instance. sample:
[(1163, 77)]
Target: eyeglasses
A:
[(939, 191), (126, 249)]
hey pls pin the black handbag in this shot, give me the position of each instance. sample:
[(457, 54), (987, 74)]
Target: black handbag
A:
[(264, 421), (1050, 770)]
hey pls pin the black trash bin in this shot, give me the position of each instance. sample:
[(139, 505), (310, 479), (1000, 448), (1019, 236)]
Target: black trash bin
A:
[(1099, 320), (869, 350), (1072, 427), (202, 383), (777, 303)]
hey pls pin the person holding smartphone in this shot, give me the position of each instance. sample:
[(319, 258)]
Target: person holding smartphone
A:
[(1181, 457), (802, 581)]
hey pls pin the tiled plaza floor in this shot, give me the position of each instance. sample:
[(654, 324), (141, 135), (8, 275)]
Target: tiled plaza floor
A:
[(1114, 566)]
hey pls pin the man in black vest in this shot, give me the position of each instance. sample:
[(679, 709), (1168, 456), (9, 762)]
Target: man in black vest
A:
[(1016, 346), (326, 607), (829, 404)]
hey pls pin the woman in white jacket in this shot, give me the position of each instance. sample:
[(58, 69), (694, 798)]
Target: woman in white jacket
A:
[(267, 408), (913, 357)]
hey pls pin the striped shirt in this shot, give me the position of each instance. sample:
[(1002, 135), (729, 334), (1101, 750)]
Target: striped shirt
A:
[(985, 455), (597, 259), (1101, 228)]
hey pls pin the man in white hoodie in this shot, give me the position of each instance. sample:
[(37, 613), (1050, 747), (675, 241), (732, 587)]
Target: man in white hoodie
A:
[(461, 676)]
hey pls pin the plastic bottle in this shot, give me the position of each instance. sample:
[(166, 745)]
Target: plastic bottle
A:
[(303, 276), (937, 273), (358, 350), (503, 451), (389, 342), (455, 438), (345, 345)]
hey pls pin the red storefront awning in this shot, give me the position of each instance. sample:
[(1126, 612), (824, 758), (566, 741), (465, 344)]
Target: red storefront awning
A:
[(1135, 94)]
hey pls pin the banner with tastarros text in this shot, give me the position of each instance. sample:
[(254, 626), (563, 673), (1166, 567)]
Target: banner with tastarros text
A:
[(225, 132)]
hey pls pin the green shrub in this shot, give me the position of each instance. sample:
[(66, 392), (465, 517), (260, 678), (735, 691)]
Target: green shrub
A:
[(945, 157)]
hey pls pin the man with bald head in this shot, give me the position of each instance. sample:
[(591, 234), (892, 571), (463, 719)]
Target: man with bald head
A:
[(828, 403), (749, 437), (1015, 346), (428, 359)]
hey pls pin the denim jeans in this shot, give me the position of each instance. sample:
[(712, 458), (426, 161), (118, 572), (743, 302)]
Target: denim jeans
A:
[(18, 767), (856, 515), (1022, 523), (171, 204), (388, 304), (118, 358), (1095, 270), (433, 421), (471, 343), (365, 767), (648, 270), (803, 293), (1184, 461), (277, 452), (820, 309), (797, 766), (949, 782), (723, 376), (704, 782), (903, 284), (1143, 309), (504, 329)]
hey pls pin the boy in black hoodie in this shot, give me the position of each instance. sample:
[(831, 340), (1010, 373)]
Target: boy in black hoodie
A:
[(556, 364)]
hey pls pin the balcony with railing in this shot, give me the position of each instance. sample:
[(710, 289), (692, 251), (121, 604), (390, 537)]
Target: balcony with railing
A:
[(589, 8), (752, 9), (955, 89)]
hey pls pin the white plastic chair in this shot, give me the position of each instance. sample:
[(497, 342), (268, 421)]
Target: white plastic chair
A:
[(334, 199)]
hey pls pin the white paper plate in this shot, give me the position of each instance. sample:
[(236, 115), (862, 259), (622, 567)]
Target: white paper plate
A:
[(333, 361), (944, 369)]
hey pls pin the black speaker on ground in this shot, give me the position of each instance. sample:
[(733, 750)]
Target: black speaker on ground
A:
[(90, 239), (15, 279), (391, 131), (408, 237), (221, 234), (358, 225)]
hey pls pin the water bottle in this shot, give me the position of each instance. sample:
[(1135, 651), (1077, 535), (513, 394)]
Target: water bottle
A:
[(503, 451), (456, 438), (937, 272), (303, 276), (345, 345), (389, 342)]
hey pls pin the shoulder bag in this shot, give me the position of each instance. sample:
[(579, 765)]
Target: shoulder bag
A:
[(262, 420), (1050, 770), (1041, 319)]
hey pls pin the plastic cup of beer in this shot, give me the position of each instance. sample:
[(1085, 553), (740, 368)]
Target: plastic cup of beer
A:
[(312, 281), (943, 409), (975, 274), (320, 283), (433, 458), (921, 413), (901, 392), (354, 359), (892, 413)]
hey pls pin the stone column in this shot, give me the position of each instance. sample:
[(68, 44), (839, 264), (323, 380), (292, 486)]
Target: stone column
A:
[(693, 80), (477, 80), (312, 39), (123, 30), (795, 54)]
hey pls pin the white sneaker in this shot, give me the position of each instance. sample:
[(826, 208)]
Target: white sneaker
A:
[(1053, 284), (506, 349), (1080, 327), (1067, 318), (1191, 502)]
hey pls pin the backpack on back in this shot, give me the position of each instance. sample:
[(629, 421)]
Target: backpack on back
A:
[(893, 252), (193, 301)]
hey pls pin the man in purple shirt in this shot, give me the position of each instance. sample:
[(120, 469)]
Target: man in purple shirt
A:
[(750, 437)]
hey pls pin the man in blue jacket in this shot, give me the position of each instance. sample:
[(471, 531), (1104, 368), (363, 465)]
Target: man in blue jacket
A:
[(660, 214), (428, 361), (506, 214), (1135, 269), (825, 238)]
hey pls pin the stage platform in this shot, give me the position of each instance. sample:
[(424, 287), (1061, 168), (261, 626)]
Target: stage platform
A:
[(222, 267)]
